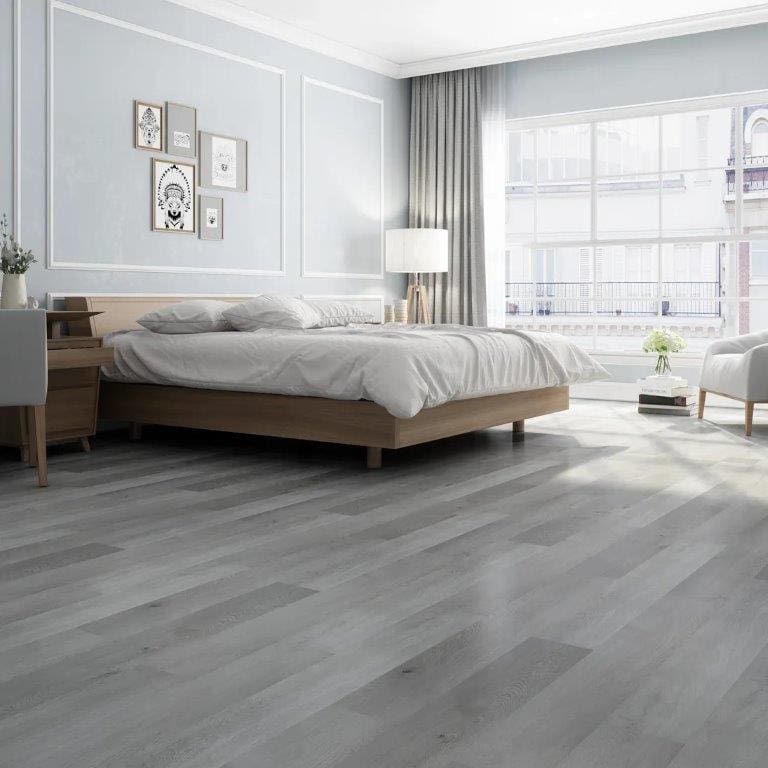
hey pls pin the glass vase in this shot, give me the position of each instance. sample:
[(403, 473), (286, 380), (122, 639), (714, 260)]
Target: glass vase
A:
[(662, 365)]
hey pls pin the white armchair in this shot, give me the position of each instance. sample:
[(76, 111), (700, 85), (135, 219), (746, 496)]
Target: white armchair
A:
[(737, 368), (24, 376)]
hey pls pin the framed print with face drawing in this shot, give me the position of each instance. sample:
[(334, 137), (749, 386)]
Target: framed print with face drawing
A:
[(211, 218), (173, 197), (147, 126), (181, 130), (223, 162)]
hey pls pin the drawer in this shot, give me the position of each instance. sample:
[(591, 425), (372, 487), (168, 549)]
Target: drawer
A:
[(71, 412), (72, 377)]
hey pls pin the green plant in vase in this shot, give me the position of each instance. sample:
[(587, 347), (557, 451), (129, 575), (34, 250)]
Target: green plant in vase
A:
[(663, 342), (14, 263)]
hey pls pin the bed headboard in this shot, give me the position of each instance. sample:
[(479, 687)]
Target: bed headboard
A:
[(121, 311)]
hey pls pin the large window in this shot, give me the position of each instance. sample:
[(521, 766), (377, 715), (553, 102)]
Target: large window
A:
[(623, 220)]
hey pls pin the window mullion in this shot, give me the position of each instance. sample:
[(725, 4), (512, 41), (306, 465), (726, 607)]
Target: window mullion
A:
[(659, 293), (593, 225)]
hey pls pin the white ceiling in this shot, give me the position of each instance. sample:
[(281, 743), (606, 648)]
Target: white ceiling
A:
[(406, 37)]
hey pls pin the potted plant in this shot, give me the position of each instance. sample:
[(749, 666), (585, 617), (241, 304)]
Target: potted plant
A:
[(14, 263), (663, 342)]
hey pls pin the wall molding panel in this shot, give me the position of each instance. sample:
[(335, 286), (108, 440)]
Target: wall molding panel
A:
[(16, 136), (306, 270), (55, 6)]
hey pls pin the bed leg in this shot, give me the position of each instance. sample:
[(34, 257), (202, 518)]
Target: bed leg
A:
[(373, 458), (134, 431), (518, 430)]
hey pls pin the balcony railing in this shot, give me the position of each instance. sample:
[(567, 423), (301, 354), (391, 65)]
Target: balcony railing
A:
[(755, 176), (613, 298), (750, 160)]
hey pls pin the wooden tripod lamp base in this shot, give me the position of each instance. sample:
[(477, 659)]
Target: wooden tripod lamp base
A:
[(418, 304), (417, 251)]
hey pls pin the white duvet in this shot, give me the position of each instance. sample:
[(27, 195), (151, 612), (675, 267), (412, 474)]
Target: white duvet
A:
[(402, 368)]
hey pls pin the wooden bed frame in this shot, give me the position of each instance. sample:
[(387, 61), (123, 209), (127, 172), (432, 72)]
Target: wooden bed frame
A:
[(352, 422)]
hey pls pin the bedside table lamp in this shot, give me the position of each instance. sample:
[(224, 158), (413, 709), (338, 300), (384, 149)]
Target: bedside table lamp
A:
[(417, 251)]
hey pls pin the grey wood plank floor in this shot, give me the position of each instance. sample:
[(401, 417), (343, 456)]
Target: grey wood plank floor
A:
[(594, 597)]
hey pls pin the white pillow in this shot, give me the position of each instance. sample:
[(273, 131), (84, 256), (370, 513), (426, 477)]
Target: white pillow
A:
[(291, 313), (333, 313), (194, 316), (272, 312)]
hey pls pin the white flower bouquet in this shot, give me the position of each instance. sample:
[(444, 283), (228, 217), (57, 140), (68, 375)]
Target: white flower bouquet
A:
[(663, 342)]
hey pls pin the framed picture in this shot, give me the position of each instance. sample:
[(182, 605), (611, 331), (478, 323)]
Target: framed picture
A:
[(147, 126), (211, 218), (223, 162), (180, 130), (173, 197)]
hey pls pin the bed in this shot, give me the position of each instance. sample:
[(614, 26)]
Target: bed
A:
[(376, 386)]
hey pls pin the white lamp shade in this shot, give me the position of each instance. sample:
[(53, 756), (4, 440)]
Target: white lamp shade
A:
[(417, 250)]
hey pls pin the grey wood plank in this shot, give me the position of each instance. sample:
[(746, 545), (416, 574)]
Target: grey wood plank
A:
[(490, 695), (55, 559), (624, 745)]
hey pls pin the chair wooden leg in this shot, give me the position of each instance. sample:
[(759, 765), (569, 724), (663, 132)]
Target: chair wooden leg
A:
[(29, 414), (85, 444), (373, 458), (23, 435), (702, 401), (518, 430), (749, 412), (41, 449)]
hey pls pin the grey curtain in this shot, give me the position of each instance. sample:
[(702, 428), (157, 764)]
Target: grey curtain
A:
[(446, 187)]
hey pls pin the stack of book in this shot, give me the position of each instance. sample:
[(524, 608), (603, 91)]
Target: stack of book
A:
[(668, 395)]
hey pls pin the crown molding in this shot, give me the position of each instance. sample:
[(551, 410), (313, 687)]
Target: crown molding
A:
[(232, 12), (639, 33), (281, 30)]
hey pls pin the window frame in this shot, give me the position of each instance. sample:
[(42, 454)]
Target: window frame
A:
[(735, 101)]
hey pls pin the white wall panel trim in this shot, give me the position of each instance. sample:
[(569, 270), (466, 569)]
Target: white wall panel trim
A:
[(52, 263), (305, 271)]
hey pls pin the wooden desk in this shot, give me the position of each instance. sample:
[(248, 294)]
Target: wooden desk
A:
[(74, 366)]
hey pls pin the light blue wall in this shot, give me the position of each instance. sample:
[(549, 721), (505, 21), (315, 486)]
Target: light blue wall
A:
[(101, 184), (6, 107), (706, 64)]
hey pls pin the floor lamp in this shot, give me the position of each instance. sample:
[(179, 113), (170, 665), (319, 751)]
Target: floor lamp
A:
[(416, 252)]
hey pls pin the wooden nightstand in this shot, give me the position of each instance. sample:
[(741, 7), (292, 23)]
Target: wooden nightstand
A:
[(74, 367)]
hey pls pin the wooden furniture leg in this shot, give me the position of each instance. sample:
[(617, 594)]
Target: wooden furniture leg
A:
[(410, 298), (31, 453), (85, 444), (373, 458), (418, 304), (23, 435), (518, 430), (134, 431), (749, 412), (37, 443), (424, 311), (702, 401)]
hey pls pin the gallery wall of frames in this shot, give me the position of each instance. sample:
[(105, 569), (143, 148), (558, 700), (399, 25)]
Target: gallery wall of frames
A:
[(176, 206)]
